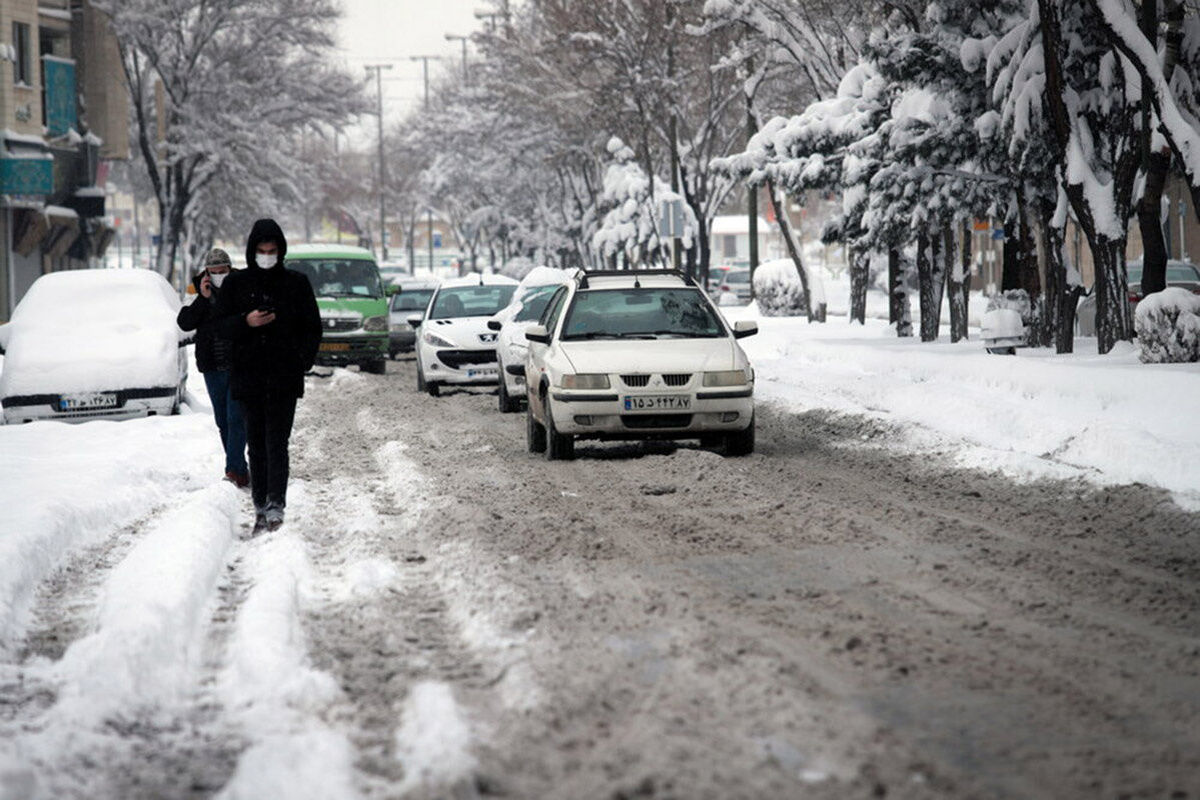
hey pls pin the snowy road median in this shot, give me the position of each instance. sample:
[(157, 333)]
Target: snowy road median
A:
[(1109, 419)]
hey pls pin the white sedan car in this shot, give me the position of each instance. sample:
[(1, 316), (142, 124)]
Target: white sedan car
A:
[(637, 354), (454, 344), (527, 306), (85, 344)]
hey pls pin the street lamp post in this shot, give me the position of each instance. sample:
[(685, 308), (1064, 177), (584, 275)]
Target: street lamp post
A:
[(425, 62), (378, 70), (452, 37)]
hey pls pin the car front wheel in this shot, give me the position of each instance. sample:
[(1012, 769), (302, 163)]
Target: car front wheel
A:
[(506, 402), (559, 446), (535, 434), (740, 443)]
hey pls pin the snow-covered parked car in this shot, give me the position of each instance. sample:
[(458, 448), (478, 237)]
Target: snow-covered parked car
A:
[(84, 344), (454, 344), (637, 354), (528, 304), (1180, 274)]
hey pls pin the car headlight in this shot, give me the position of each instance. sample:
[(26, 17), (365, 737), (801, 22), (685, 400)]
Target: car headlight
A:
[(732, 377), (595, 381), (375, 324), (434, 340)]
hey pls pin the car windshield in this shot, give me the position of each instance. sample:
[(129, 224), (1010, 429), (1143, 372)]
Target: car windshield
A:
[(534, 304), (737, 277), (471, 301), (340, 277), (641, 314), (411, 299), (1181, 273)]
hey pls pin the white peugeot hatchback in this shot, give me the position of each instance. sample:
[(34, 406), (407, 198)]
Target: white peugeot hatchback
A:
[(637, 354), (454, 345)]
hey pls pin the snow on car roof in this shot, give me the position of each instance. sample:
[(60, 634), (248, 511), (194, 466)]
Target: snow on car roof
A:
[(476, 280), (329, 250), (626, 279), (92, 330)]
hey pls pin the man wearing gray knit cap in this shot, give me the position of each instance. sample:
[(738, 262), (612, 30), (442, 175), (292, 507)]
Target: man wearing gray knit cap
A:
[(213, 360)]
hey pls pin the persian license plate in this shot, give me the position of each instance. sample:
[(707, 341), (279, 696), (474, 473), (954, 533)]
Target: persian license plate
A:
[(483, 373), (78, 402), (337, 347), (658, 402)]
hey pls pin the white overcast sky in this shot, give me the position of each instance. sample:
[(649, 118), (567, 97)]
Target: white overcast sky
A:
[(391, 31)]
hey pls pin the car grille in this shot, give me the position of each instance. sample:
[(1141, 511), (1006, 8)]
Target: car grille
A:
[(336, 325), (677, 380), (652, 421), (458, 358), (635, 380)]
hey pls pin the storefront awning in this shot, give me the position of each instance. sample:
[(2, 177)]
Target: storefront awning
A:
[(64, 230)]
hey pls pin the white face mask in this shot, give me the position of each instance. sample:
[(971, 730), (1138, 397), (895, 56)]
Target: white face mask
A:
[(266, 262), (217, 278)]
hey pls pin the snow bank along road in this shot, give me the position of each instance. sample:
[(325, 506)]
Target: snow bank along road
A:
[(445, 615)]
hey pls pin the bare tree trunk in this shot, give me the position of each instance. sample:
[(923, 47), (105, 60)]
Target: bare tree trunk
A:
[(786, 230), (1113, 322), (960, 281), (930, 283), (899, 313), (860, 267)]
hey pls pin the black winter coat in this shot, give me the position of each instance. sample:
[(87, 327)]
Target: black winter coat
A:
[(213, 350), (274, 357)]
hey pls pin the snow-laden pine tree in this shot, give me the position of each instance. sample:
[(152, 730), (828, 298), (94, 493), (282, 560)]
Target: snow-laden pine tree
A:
[(1059, 59), (630, 234), (936, 174)]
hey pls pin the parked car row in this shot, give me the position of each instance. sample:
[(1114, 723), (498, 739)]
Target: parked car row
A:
[(631, 354), (1179, 273)]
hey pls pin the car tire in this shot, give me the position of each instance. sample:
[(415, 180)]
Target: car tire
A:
[(535, 433), (506, 403), (434, 389), (420, 379), (740, 443), (377, 367), (559, 446), (1002, 351), (711, 440)]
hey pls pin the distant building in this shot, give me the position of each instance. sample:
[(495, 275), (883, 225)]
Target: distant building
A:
[(60, 96), (729, 240)]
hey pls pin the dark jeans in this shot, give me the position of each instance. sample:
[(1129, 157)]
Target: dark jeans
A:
[(230, 420), (268, 425)]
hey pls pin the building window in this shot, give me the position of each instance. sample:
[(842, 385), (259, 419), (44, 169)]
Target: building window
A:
[(20, 40), (731, 249)]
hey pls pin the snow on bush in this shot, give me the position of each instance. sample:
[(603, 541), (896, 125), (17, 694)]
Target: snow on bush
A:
[(778, 290), (1168, 327)]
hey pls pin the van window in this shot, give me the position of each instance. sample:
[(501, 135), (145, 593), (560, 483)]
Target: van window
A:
[(331, 277)]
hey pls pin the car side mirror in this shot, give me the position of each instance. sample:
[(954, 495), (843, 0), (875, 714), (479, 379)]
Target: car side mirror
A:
[(415, 320), (539, 334), (744, 327), (494, 325)]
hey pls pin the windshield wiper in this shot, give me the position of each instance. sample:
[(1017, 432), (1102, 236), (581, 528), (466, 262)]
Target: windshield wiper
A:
[(591, 335), (686, 334)]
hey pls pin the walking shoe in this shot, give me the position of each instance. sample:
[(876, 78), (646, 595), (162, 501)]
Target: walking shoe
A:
[(260, 523), (274, 517), (239, 479)]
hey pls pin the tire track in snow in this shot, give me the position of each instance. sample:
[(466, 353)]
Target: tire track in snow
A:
[(129, 716), (382, 626)]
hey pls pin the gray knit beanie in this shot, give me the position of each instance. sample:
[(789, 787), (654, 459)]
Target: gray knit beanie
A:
[(217, 258)]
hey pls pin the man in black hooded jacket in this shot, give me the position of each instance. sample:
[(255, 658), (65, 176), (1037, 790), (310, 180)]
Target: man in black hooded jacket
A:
[(271, 316)]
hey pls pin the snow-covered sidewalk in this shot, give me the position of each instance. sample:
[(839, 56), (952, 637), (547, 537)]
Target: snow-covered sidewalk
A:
[(1109, 419)]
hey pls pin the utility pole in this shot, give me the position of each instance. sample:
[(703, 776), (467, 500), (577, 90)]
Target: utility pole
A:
[(429, 213), (676, 242), (452, 37), (752, 191), (378, 70), (425, 62)]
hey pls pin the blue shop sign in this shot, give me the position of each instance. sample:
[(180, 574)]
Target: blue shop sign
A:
[(60, 95), (31, 176)]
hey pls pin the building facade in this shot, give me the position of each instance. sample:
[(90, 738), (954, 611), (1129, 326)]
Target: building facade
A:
[(60, 88)]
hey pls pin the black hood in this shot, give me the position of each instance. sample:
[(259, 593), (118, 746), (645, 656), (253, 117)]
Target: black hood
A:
[(265, 230)]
